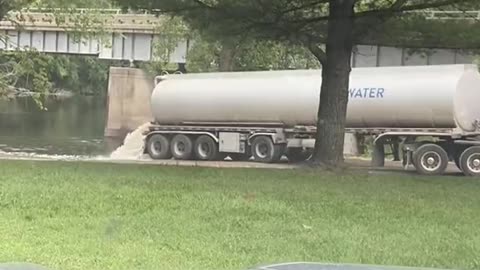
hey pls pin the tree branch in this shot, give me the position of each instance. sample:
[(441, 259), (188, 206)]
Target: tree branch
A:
[(376, 21), (203, 4), (386, 11), (307, 5), (398, 4), (318, 52), (403, 8)]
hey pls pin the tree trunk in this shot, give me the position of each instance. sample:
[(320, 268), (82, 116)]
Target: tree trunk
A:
[(335, 81), (227, 55)]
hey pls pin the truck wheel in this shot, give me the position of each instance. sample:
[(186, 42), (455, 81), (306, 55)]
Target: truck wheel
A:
[(158, 147), (430, 159), (206, 148), (298, 154), (181, 147), (264, 150), (470, 161)]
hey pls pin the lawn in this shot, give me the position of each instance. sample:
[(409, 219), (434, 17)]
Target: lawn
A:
[(99, 217)]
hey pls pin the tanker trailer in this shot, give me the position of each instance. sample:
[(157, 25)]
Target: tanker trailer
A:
[(267, 114)]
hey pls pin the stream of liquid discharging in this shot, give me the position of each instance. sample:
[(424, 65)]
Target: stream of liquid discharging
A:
[(133, 146)]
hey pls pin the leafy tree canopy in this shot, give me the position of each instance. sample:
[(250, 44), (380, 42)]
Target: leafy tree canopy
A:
[(43, 73), (379, 22)]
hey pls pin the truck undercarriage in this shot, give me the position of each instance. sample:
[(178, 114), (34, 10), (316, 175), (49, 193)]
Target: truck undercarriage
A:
[(428, 150)]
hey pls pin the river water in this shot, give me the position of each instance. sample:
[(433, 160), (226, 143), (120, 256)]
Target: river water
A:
[(70, 126)]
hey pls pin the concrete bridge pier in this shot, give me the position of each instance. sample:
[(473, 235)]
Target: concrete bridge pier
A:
[(128, 103)]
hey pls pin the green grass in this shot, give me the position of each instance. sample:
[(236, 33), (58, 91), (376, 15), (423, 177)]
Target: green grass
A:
[(99, 216)]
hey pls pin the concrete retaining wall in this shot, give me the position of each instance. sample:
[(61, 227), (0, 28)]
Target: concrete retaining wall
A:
[(129, 91)]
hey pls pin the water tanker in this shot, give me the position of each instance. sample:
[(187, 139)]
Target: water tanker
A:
[(272, 113)]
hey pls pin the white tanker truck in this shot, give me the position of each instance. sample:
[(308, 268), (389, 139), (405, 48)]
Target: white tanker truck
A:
[(434, 111)]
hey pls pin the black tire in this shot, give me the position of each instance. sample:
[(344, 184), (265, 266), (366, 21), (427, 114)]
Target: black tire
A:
[(264, 150), (430, 159), (181, 147), (206, 148), (470, 161), (298, 154), (158, 147)]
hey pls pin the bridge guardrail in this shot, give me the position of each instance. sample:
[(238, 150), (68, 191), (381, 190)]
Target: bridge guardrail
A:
[(128, 21), (430, 14)]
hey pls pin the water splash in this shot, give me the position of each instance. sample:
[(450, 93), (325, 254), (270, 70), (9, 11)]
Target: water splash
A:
[(36, 156), (133, 146)]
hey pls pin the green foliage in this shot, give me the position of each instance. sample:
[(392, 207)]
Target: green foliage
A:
[(9, 5), (249, 55), (423, 33), (80, 74), (89, 22), (172, 31), (304, 22), (43, 73), (271, 55), (205, 53), (28, 70)]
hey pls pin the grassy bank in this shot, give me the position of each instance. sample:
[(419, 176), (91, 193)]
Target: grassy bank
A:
[(99, 216)]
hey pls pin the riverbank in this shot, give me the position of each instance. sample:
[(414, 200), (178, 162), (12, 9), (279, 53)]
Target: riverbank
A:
[(68, 215)]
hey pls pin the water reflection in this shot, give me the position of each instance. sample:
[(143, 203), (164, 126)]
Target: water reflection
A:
[(69, 126)]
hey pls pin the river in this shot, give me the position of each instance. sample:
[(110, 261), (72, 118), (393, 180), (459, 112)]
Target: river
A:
[(70, 126)]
